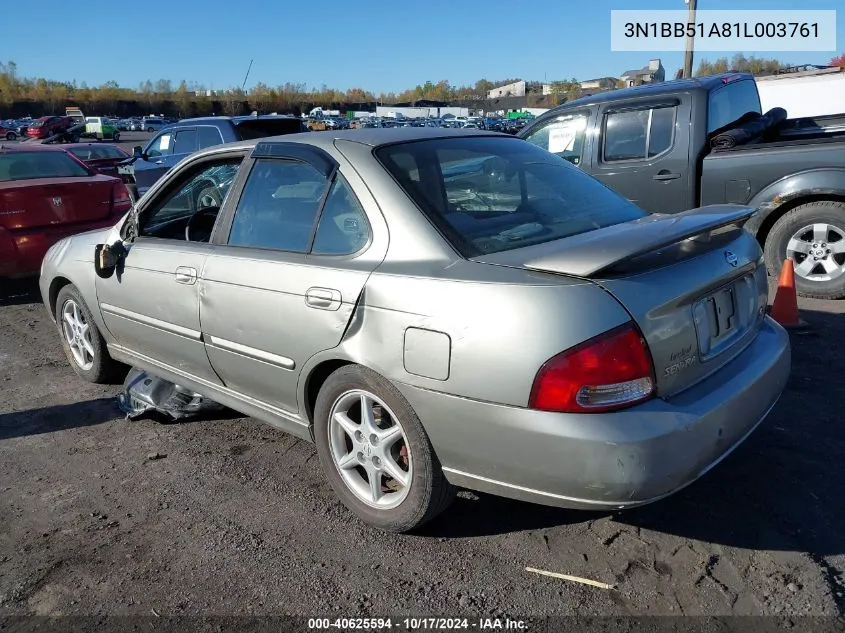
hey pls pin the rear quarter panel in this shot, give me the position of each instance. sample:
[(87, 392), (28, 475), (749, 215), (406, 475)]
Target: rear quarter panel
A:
[(491, 327), (766, 178)]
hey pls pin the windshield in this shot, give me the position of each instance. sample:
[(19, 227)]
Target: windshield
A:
[(39, 164), (490, 194)]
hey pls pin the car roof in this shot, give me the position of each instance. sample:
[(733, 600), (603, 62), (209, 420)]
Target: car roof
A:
[(31, 147), (235, 119), (374, 137)]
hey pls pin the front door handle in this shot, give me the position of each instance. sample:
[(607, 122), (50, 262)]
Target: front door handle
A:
[(159, 162), (665, 174), (323, 298), (186, 275)]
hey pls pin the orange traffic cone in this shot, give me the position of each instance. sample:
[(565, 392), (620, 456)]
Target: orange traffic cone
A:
[(785, 306)]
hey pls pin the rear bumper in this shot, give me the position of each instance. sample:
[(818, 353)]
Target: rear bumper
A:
[(21, 251), (607, 461)]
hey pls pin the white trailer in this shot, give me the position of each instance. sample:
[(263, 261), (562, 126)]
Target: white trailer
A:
[(804, 94)]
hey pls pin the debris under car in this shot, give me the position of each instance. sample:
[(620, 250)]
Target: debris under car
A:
[(144, 394)]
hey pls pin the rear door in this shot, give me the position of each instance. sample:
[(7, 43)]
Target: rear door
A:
[(292, 263), (643, 152)]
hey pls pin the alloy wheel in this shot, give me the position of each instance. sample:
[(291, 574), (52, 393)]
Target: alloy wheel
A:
[(370, 450), (77, 333), (818, 251)]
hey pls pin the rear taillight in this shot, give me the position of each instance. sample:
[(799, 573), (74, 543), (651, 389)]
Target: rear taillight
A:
[(610, 371), (121, 201)]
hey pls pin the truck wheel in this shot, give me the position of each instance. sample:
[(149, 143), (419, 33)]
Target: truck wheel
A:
[(813, 236)]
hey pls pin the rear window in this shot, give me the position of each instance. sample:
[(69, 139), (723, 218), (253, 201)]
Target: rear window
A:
[(42, 164), (729, 103), (260, 128), (97, 152), (488, 195)]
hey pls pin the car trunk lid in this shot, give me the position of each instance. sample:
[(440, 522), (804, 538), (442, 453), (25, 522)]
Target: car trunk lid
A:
[(693, 282), (41, 202)]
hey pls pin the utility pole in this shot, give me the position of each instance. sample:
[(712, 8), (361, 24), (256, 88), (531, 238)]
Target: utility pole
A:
[(690, 38)]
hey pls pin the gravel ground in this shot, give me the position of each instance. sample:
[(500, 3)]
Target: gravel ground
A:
[(105, 516)]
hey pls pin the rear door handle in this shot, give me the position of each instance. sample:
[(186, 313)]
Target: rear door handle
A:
[(665, 175), (323, 298), (186, 275)]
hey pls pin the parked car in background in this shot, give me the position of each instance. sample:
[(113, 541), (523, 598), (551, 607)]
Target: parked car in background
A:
[(47, 194), (151, 125), (101, 128), (181, 139), (48, 126), (101, 157), (343, 292), (661, 146), (8, 133)]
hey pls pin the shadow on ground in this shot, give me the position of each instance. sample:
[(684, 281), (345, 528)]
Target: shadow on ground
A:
[(783, 489), (87, 413), (15, 292)]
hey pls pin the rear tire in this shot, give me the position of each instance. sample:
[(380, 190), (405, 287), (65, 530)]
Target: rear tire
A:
[(11, 136), (84, 346), (822, 278), (402, 507), (116, 137)]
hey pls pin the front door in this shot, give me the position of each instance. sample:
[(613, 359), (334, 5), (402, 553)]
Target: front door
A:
[(290, 269), (643, 154), (155, 162), (151, 303)]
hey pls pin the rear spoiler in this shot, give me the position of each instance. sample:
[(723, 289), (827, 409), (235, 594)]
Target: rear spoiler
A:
[(586, 254)]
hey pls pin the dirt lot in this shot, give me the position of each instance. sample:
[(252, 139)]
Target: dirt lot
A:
[(104, 516)]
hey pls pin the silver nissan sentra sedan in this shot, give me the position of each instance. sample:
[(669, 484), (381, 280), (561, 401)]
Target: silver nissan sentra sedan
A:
[(436, 308)]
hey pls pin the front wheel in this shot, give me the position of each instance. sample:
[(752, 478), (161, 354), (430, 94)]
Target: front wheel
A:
[(375, 452), (81, 339), (813, 237), (11, 136), (116, 137)]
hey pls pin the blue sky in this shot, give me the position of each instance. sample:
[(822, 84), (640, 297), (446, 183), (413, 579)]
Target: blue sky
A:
[(380, 46)]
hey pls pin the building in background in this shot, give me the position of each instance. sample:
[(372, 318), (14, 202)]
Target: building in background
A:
[(516, 89), (602, 83), (652, 73)]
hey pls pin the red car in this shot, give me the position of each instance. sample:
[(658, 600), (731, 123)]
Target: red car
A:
[(47, 194), (8, 133), (101, 157), (46, 126)]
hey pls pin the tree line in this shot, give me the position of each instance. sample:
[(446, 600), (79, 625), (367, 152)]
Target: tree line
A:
[(23, 96), (754, 65)]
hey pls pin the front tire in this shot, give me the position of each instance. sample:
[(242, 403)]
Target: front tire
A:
[(11, 136), (116, 137), (375, 452), (813, 236), (81, 339)]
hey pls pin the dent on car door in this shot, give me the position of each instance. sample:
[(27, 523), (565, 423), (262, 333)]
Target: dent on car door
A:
[(284, 286), (151, 304)]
